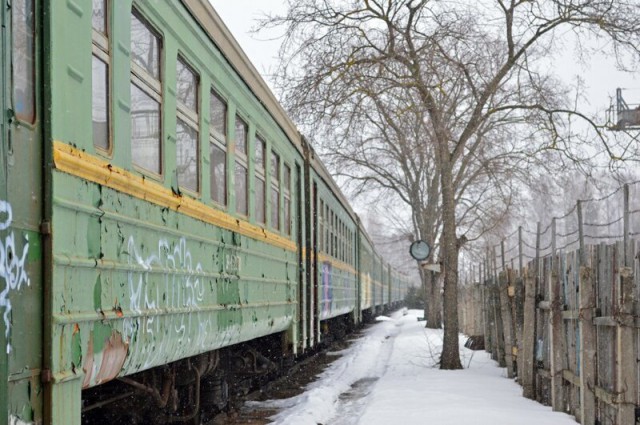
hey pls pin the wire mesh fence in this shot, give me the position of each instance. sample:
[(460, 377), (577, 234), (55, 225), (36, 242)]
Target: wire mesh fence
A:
[(605, 219)]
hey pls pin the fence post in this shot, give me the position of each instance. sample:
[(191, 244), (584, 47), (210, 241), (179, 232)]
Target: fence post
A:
[(627, 379), (528, 336), (499, 323), (628, 254), (507, 322), (556, 326), (583, 252), (520, 254), (587, 343)]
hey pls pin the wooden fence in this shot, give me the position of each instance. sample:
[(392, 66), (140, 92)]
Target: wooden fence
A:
[(566, 327)]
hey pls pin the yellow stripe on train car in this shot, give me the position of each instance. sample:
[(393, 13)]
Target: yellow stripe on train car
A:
[(88, 167)]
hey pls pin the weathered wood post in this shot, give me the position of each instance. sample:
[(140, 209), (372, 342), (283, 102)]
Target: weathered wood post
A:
[(556, 326), (505, 308), (627, 378), (587, 332), (500, 340), (528, 336), (520, 254)]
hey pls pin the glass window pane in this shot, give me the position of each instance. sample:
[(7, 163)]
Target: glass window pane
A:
[(22, 15), (100, 100), (145, 130), (287, 177), (99, 17), (275, 208), (287, 216), (218, 114), (260, 149), (241, 136), (275, 166), (260, 200), (218, 161), (187, 156), (241, 189), (187, 86), (145, 47)]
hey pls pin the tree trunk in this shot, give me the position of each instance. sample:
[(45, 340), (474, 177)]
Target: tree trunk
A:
[(432, 300), (450, 357)]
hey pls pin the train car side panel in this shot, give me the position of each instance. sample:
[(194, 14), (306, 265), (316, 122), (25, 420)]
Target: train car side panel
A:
[(21, 213)]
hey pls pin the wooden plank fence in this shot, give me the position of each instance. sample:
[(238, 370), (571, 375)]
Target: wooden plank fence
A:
[(566, 326)]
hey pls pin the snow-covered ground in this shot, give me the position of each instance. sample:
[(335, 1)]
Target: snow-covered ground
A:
[(389, 377)]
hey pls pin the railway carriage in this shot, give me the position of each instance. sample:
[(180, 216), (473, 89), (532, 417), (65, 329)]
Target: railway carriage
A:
[(335, 261), (167, 237)]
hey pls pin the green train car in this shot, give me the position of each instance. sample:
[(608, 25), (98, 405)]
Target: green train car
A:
[(168, 239)]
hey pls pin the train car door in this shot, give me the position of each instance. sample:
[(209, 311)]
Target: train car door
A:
[(4, 371), (21, 193)]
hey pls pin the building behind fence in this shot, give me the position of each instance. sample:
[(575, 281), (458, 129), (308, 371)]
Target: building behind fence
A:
[(558, 308)]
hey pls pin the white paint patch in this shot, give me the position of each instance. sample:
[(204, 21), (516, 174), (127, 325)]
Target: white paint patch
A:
[(12, 266)]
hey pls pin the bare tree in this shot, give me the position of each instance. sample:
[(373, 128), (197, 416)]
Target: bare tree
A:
[(476, 69)]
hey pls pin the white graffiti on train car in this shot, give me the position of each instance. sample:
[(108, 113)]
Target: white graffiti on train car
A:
[(180, 289), (12, 266)]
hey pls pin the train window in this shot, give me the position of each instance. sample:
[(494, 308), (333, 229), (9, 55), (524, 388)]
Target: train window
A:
[(242, 131), (99, 16), (321, 227), (286, 189), (100, 110), (187, 87), (217, 149), (218, 161), (187, 163), (327, 230), (146, 98), (341, 244), (331, 229), (260, 185), (241, 174), (187, 151), (145, 46), (23, 54), (275, 190)]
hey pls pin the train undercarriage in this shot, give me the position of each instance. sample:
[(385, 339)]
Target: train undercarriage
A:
[(196, 389)]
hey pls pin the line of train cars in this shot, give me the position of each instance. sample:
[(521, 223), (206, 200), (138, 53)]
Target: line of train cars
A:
[(167, 237)]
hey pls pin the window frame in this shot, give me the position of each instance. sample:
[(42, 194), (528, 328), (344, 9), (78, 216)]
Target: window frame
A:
[(275, 186), (286, 198), (11, 94), (101, 49), (260, 176), (219, 140), (241, 159), (147, 83), (192, 119)]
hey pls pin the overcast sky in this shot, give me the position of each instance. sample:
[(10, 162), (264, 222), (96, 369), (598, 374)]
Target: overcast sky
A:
[(240, 16)]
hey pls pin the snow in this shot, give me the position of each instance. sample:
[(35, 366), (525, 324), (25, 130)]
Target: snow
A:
[(389, 376)]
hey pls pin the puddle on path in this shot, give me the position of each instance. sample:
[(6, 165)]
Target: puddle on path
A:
[(352, 402)]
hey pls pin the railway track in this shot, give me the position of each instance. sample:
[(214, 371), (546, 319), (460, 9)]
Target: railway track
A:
[(292, 383)]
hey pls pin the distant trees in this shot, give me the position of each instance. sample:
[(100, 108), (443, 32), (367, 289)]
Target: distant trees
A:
[(462, 89)]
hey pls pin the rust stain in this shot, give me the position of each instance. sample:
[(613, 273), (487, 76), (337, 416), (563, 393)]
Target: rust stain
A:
[(76, 328), (87, 367), (113, 356), (110, 360)]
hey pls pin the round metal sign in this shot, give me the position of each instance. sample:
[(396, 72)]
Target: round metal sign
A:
[(420, 250)]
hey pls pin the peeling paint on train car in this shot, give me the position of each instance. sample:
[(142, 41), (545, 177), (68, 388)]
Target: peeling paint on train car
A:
[(162, 286)]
